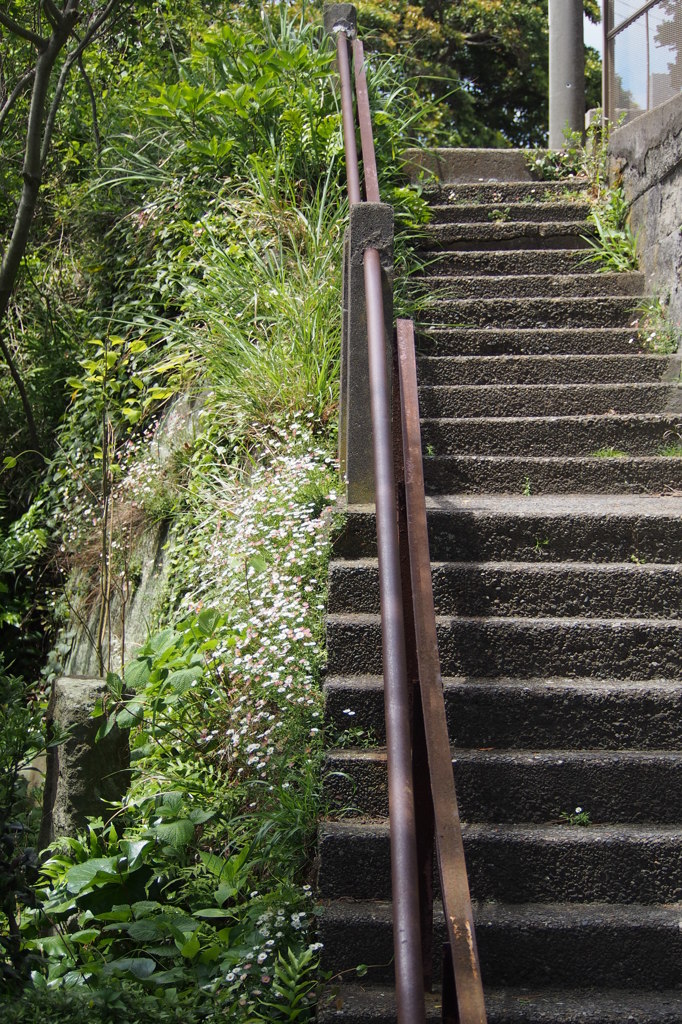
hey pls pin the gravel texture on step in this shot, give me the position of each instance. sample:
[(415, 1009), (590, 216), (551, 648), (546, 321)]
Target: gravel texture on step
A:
[(505, 212), (371, 1004), (606, 437), (564, 312), (515, 786), (593, 590), (507, 192), (537, 527), (535, 285), (528, 261), (513, 863), (488, 400), (493, 341), (529, 714), (485, 474), (548, 370), (633, 947), (571, 234), (625, 648)]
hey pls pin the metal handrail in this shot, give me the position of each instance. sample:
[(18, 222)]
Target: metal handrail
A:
[(409, 643)]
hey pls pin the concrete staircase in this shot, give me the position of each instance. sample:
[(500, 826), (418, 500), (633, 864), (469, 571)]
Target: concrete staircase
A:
[(557, 584)]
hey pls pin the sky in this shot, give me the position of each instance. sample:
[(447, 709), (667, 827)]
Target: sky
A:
[(593, 35)]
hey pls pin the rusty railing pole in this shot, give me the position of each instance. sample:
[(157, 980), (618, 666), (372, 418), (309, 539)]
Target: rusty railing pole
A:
[(406, 930)]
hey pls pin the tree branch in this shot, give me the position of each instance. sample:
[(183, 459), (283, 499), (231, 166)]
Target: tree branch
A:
[(93, 108), (18, 30), (18, 89), (73, 56)]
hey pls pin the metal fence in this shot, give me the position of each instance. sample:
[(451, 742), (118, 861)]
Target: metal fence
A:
[(642, 55)]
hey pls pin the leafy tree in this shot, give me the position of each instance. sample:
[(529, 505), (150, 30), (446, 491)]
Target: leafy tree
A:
[(486, 59), (48, 40)]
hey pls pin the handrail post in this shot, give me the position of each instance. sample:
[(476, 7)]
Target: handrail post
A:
[(371, 226)]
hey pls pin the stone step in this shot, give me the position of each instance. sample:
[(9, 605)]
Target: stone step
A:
[(626, 787), (518, 863), (583, 435), (617, 311), (569, 234), (593, 590), (623, 648), (506, 192), (540, 475), (537, 528), (534, 341), (514, 286), (630, 947), (528, 714), (478, 371), (523, 262), (362, 1003), (501, 212), (490, 400)]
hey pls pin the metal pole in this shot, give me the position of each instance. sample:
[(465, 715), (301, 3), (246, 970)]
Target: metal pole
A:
[(404, 869), (605, 62), (566, 70)]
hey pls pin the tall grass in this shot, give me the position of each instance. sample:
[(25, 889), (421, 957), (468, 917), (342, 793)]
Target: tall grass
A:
[(265, 314)]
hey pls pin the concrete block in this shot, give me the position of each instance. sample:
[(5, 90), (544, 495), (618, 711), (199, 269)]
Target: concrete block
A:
[(81, 773)]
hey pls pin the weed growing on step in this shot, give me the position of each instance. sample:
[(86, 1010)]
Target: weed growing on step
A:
[(656, 331), (576, 817), (527, 489), (540, 544), (500, 216), (609, 453), (672, 451)]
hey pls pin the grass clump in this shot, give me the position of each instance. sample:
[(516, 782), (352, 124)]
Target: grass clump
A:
[(609, 453)]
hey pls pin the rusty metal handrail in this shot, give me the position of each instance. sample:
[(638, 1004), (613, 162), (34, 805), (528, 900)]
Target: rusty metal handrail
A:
[(418, 751)]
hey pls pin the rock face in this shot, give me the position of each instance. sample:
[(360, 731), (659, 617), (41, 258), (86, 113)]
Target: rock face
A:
[(81, 774), (647, 155)]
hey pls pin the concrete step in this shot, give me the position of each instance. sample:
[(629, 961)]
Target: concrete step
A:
[(582, 435), (504, 212), (373, 1004), (489, 400), (547, 370), (593, 590), (626, 787), (622, 648), (547, 475), (518, 863), (569, 234), (533, 286), (522, 262), (528, 714), (534, 341), (618, 311), (506, 192), (538, 528), (630, 947)]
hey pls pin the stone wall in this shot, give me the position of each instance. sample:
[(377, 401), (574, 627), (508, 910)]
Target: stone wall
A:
[(647, 155)]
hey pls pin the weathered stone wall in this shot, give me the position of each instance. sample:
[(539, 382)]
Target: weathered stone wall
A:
[(647, 155)]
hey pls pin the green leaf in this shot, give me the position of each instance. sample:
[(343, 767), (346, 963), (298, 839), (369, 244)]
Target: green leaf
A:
[(191, 948), (137, 673), (140, 967), (175, 833), (182, 680), (80, 876)]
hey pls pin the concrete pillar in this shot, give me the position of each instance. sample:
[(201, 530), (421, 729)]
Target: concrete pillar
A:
[(566, 70), (82, 772), (371, 225)]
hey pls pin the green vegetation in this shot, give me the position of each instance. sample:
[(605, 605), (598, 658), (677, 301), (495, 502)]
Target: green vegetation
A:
[(577, 817), (175, 320), (485, 60), (656, 331), (609, 453)]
